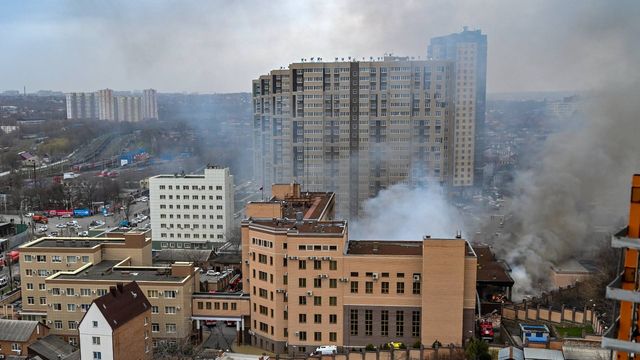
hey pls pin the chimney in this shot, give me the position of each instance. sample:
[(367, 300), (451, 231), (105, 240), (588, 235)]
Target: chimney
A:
[(120, 287), (299, 218), (112, 290), (458, 234), (426, 237)]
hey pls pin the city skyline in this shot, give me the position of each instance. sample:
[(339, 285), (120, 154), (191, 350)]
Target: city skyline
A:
[(215, 47)]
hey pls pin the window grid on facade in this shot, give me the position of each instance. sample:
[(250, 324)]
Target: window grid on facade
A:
[(353, 321)]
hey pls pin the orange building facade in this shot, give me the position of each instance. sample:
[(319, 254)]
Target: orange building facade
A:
[(310, 285)]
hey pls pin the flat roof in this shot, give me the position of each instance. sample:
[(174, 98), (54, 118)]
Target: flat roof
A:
[(179, 176), (106, 270), (384, 247), (305, 227), (574, 266), (490, 269), (72, 242)]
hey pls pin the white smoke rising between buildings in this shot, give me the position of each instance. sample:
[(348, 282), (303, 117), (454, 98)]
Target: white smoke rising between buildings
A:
[(402, 212)]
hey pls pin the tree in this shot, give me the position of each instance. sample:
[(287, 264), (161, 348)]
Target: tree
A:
[(477, 349)]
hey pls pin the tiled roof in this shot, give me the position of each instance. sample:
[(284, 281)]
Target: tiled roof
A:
[(122, 303)]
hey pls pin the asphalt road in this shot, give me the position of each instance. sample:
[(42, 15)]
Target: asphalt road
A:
[(222, 336)]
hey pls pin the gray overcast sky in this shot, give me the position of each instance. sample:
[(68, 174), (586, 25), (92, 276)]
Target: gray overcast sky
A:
[(220, 46)]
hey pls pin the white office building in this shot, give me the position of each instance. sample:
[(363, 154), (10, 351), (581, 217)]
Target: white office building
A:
[(191, 211)]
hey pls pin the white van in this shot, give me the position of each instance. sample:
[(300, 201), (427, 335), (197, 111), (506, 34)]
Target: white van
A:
[(325, 350)]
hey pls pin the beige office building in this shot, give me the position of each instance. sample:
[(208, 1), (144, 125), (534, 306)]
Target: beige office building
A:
[(62, 276), (355, 127), (310, 285)]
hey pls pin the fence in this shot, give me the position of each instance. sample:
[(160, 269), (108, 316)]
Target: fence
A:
[(444, 353), (563, 315)]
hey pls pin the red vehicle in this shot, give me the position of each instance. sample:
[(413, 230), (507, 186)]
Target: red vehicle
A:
[(210, 322), (486, 330), (40, 219), (14, 255)]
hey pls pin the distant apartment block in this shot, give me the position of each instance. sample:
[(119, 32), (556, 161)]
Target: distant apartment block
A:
[(191, 211), (117, 325), (311, 285), (82, 105), (149, 104), (468, 50), (355, 127), (105, 105)]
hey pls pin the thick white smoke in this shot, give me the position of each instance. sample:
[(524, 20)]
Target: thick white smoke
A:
[(402, 212), (578, 184)]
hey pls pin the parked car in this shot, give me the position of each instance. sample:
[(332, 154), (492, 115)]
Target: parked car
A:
[(61, 226), (66, 215), (395, 345), (212, 273), (43, 228), (4, 281), (83, 233), (53, 233), (325, 350)]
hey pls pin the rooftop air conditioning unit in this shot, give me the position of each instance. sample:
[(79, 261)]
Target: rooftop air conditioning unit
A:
[(309, 293), (297, 333), (416, 277), (375, 276), (178, 308), (324, 276), (246, 262), (312, 258)]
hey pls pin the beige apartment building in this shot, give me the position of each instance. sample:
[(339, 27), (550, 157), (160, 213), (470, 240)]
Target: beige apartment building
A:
[(355, 127), (310, 285), (62, 276), (468, 50)]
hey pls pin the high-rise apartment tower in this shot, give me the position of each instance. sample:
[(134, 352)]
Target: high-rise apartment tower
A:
[(355, 127), (468, 50)]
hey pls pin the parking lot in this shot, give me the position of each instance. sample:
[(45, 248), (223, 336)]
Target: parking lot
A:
[(58, 224)]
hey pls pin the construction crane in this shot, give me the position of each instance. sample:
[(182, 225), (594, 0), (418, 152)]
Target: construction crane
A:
[(624, 336)]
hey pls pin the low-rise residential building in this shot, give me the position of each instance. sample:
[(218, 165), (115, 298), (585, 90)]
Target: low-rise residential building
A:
[(310, 285), (62, 276), (191, 211), (52, 347), (17, 335), (117, 325)]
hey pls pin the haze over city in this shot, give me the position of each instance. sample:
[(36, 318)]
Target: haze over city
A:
[(218, 46), (297, 179)]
